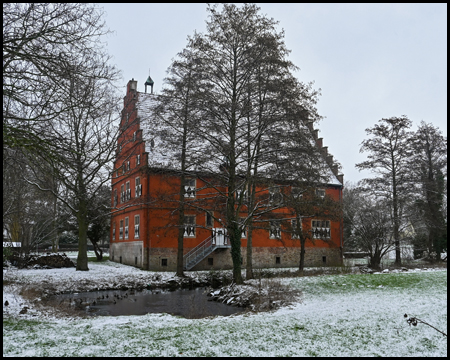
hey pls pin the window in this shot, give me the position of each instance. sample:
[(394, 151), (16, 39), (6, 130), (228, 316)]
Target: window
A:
[(324, 259), (138, 189), (128, 193), (126, 228), (275, 196), (115, 198), (163, 262), (242, 191), (134, 136), (128, 166), (122, 194), (121, 229), (320, 193), (138, 159), (295, 233), (210, 261), (275, 229), (277, 260), (189, 226), (189, 188), (209, 219), (114, 232), (296, 192), (243, 229), (321, 229), (136, 226)]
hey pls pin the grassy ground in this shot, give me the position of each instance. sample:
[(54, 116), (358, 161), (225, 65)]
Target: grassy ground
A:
[(340, 315)]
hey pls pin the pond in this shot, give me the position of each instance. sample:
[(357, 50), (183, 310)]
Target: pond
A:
[(190, 304)]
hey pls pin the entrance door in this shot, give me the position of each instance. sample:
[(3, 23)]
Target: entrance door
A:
[(219, 236)]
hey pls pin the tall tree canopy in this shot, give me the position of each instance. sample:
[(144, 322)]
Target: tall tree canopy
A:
[(388, 154), (249, 111)]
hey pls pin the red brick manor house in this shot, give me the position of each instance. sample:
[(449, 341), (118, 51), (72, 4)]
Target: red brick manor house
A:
[(144, 230)]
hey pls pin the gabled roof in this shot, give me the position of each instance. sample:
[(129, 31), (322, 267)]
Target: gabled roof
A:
[(162, 153)]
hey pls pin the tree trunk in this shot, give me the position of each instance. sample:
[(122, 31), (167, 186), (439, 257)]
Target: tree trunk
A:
[(302, 255), (82, 260), (249, 265), (98, 251)]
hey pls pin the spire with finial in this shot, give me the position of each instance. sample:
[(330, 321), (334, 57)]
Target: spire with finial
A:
[(149, 82)]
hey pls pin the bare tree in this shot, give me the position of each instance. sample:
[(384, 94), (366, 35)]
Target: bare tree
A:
[(59, 101), (370, 224), (40, 43), (388, 155), (87, 136)]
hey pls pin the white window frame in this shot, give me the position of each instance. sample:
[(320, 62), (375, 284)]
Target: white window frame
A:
[(294, 235), (190, 187), (127, 221), (244, 230), (138, 159), (275, 191), (138, 187), (121, 229), (207, 213), (136, 226), (320, 193), (275, 229), (321, 229), (189, 226), (134, 136), (128, 191), (238, 194), (114, 231), (122, 193)]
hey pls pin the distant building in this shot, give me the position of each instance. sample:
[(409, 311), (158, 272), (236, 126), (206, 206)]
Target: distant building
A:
[(144, 227)]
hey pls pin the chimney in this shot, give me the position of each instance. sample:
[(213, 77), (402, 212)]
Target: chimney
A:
[(335, 170), (310, 125), (319, 142), (330, 159), (132, 85), (324, 151), (316, 134)]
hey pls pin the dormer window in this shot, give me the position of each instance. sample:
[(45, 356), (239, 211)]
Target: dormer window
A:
[(320, 193)]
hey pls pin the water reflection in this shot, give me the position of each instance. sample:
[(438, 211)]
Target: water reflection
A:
[(191, 304)]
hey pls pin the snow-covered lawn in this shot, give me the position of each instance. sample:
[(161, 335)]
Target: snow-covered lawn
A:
[(339, 315)]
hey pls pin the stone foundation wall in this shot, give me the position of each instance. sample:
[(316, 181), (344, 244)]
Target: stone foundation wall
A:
[(128, 253), (165, 259)]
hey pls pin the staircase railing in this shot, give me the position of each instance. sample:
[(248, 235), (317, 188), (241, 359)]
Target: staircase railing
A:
[(202, 250), (199, 252)]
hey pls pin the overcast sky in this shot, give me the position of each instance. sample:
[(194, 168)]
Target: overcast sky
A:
[(371, 61)]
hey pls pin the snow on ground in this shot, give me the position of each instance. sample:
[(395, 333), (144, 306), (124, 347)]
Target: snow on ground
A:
[(339, 315)]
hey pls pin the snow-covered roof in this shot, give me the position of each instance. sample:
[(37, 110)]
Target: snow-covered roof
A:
[(163, 152)]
